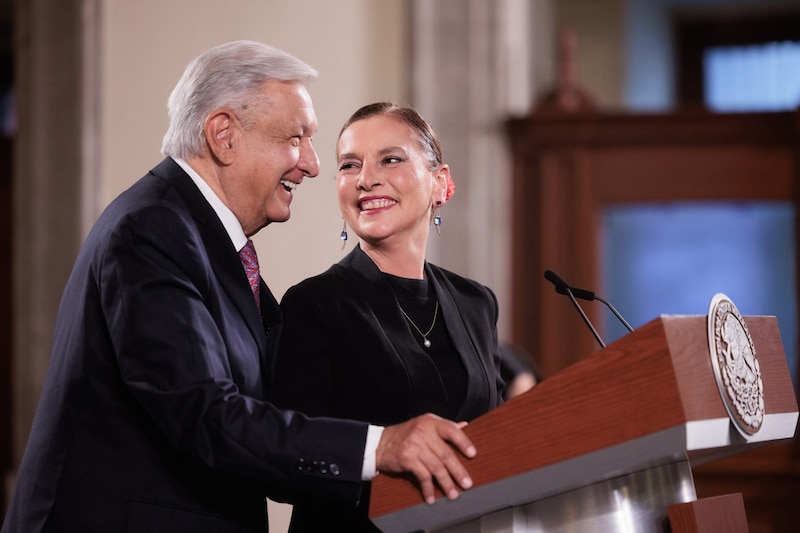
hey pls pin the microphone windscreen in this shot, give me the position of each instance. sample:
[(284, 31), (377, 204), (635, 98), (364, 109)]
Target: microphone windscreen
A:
[(555, 279)]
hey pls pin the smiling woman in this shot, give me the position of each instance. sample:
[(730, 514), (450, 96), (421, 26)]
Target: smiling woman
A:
[(386, 190), (394, 336)]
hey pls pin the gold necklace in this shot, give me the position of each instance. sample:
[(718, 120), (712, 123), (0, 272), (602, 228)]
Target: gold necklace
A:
[(425, 342)]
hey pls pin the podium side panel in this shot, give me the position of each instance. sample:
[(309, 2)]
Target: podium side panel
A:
[(709, 515)]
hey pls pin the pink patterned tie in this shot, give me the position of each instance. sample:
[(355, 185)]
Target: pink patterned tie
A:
[(250, 263)]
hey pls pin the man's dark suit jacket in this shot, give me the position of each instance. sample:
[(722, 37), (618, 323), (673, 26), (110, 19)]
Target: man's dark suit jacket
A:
[(347, 350), (153, 415)]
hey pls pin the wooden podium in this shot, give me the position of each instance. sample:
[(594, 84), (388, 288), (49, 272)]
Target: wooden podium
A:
[(608, 444)]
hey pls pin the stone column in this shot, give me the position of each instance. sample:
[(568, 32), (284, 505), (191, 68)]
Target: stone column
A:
[(475, 64)]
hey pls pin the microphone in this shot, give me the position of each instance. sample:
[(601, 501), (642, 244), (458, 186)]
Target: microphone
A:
[(563, 288)]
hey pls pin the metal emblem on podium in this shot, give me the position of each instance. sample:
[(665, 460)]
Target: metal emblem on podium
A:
[(736, 367)]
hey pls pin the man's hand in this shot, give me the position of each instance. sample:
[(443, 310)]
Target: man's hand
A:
[(422, 446)]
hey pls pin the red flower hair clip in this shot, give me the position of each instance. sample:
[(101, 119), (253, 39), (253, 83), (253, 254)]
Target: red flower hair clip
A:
[(451, 188)]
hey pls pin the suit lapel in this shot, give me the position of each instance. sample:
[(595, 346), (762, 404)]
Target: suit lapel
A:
[(458, 329), (222, 256), (425, 389)]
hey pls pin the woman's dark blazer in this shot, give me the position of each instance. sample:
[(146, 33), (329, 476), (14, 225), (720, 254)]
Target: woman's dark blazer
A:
[(154, 413), (347, 350)]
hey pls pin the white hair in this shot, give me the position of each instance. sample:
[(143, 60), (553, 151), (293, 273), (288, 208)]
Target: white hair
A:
[(231, 74)]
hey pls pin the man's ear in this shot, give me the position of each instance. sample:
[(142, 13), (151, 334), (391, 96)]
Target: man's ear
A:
[(221, 130)]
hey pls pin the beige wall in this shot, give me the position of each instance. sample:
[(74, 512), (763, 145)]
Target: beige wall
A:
[(359, 47)]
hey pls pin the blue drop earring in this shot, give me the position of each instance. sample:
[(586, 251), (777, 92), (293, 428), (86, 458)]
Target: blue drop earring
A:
[(437, 219), (343, 234)]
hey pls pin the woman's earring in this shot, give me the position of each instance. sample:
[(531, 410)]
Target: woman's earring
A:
[(437, 219), (343, 234)]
